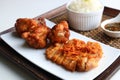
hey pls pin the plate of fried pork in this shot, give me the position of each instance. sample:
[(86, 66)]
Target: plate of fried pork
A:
[(59, 50)]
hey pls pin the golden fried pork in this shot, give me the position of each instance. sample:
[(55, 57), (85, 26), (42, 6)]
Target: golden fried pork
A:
[(35, 32), (37, 38), (75, 55), (59, 33), (26, 24), (54, 53)]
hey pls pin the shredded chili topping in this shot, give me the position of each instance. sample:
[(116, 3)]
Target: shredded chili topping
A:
[(75, 47)]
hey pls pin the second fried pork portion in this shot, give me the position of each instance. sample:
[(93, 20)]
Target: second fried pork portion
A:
[(75, 55), (59, 33)]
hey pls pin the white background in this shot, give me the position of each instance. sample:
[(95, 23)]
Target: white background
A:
[(10, 10)]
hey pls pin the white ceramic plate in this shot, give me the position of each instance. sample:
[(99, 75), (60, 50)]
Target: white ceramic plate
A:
[(37, 56)]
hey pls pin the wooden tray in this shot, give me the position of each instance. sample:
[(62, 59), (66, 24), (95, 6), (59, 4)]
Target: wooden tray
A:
[(57, 15)]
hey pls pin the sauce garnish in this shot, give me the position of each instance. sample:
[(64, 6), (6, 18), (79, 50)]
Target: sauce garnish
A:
[(113, 26)]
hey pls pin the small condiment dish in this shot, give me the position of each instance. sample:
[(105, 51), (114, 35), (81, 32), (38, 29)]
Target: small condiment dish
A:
[(114, 34)]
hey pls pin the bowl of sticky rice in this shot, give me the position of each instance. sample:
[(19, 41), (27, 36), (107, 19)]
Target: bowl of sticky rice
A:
[(84, 15)]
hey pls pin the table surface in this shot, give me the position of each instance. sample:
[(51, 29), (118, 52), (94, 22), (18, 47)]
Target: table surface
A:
[(10, 10)]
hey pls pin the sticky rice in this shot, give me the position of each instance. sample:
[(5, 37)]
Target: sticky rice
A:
[(85, 6)]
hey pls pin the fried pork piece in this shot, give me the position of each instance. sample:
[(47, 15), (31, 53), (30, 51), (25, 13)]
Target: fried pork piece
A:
[(54, 53), (59, 33), (37, 38), (26, 24), (72, 50), (87, 54), (75, 54)]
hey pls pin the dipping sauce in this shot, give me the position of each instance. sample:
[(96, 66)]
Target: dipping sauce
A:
[(113, 26)]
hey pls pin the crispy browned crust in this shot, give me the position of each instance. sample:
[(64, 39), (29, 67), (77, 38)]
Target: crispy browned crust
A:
[(59, 33), (37, 38), (54, 52), (35, 32), (75, 55), (27, 24)]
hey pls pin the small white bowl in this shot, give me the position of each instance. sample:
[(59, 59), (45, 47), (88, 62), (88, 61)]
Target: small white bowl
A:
[(84, 21), (114, 34)]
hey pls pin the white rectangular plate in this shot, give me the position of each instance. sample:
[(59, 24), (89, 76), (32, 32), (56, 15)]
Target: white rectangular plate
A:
[(37, 56)]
